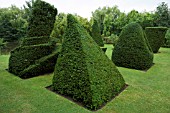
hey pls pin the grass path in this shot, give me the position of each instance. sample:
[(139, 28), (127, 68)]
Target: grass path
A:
[(148, 92)]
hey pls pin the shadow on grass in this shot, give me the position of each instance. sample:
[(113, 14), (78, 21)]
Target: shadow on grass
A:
[(29, 77), (80, 103)]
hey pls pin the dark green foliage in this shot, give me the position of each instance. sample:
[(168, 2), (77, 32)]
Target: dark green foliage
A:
[(83, 71), (34, 56), (7, 32), (162, 15), (132, 49), (35, 40), (42, 19), (96, 34), (41, 66), (22, 57), (156, 37)]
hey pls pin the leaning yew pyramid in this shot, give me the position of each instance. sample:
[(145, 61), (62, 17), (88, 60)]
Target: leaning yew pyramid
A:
[(37, 54), (133, 50), (83, 71)]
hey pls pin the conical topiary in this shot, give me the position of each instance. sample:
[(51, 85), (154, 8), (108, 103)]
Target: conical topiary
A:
[(83, 71), (132, 49), (96, 33), (156, 37)]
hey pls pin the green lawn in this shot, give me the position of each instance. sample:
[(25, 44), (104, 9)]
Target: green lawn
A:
[(148, 92)]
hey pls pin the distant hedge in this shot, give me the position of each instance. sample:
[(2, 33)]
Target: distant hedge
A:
[(132, 49), (83, 71), (96, 33), (42, 19), (156, 37)]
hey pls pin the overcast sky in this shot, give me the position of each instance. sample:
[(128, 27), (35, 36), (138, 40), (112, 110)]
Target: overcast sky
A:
[(85, 7)]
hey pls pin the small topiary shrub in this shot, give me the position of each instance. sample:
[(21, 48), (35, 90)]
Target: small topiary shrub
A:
[(96, 33), (42, 19), (83, 71), (156, 37), (132, 49)]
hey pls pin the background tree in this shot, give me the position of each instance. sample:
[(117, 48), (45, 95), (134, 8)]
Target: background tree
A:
[(162, 15), (12, 23), (106, 18), (85, 23), (59, 26)]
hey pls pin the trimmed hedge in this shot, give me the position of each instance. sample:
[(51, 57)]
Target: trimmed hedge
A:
[(35, 40), (43, 65), (132, 49), (42, 19), (83, 71), (96, 33), (23, 57), (156, 37)]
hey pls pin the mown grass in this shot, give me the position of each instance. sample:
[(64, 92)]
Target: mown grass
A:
[(148, 92)]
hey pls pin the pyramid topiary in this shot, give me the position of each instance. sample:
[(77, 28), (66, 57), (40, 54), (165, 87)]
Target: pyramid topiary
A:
[(132, 49), (25, 60), (156, 37), (83, 71), (96, 33)]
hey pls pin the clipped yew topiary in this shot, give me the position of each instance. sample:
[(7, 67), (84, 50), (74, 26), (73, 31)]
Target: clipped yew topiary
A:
[(42, 19), (167, 39), (96, 33), (43, 65), (132, 49), (156, 37), (35, 40), (23, 60), (83, 71)]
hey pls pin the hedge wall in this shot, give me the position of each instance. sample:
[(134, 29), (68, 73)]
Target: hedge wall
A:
[(156, 37), (22, 57), (42, 18), (83, 71), (35, 40), (96, 33), (43, 65), (132, 49)]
